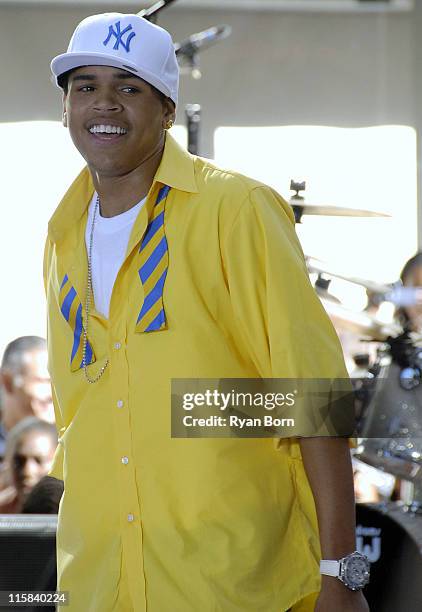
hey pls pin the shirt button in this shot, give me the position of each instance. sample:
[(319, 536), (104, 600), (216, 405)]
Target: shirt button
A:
[(125, 460), (117, 345), (130, 518), (120, 404)]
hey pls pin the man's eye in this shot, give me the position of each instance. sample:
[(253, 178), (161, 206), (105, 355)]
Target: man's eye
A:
[(19, 461), (130, 89), (86, 88)]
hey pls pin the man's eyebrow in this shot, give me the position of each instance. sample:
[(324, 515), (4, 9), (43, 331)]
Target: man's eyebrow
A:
[(93, 77), (83, 77), (126, 75)]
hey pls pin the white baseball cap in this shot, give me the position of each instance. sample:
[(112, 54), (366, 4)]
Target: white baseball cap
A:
[(124, 41)]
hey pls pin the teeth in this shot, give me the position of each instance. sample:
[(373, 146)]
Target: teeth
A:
[(107, 129)]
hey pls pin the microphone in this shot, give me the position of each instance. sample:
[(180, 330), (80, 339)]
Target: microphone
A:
[(404, 296), (151, 13), (202, 40)]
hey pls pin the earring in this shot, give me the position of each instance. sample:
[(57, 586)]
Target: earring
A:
[(64, 119), (169, 124)]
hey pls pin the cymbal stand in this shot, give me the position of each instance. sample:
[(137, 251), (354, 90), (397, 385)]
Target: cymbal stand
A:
[(193, 123)]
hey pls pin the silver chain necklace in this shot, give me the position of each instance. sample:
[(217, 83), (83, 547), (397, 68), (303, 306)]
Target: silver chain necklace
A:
[(88, 301)]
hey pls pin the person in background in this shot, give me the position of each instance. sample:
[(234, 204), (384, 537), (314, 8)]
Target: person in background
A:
[(29, 454), (25, 384), (45, 499), (411, 276)]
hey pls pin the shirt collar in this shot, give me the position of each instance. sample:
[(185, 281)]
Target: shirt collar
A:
[(176, 169)]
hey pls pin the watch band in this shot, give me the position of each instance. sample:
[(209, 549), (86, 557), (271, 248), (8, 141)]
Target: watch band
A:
[(330, 568)]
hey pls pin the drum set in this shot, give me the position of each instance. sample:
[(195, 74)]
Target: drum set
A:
[(388, 406)]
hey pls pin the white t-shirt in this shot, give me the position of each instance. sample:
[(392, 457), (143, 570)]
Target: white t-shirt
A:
[(111, 237)]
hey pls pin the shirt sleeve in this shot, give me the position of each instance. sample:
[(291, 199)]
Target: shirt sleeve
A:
[(56, 470), (277, 310), (278, 314)]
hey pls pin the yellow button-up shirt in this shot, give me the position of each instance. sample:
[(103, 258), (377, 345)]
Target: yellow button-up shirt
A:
[(152, 523)]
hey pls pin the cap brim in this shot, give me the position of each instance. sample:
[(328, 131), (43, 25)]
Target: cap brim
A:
[(68, 61)]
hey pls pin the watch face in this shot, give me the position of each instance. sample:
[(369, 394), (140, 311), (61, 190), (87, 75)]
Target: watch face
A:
[(355, 572)]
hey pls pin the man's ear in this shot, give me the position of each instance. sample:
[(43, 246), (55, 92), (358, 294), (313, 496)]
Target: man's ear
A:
[(64, 115), (6, 381), (170, 110)]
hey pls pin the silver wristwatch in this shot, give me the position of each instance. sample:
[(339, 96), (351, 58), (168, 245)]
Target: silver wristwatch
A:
[(352, 570)]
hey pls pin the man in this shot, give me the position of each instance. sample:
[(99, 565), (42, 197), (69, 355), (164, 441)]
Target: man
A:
[(29, 454), (25, 384), (205, 279)]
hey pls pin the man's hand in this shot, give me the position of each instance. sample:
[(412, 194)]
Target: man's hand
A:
[(335, 596)]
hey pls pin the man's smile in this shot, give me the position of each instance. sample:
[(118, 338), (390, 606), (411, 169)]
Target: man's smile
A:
[(106, 132), (107, 129)]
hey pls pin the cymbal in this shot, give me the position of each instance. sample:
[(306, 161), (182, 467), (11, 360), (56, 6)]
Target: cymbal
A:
[(319, 267), (301, 208), (326, 295), (359, 322)]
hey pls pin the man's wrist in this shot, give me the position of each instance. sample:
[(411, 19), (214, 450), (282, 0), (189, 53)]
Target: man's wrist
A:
[(352, 570)]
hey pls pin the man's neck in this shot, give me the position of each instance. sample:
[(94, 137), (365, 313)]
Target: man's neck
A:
[(120, 193)]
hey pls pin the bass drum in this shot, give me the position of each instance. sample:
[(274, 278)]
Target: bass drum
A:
[(392, 540), (390, 422)]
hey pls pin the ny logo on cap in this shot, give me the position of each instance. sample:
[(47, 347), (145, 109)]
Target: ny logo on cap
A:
[(119, 36)]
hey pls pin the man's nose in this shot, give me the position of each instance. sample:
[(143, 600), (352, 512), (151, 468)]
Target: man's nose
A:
[(31, 468), (106, 100)]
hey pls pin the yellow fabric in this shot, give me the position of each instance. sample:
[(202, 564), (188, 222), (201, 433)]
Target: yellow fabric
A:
[(220, 525)]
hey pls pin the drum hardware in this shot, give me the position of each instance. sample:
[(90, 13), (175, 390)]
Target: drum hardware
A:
[(403, 351), (414, 504), (388, 393), (298, 187), (188, 50), (399, 295), (316, 266), (408, 357), (362, 380), (187, 53), (359, 322), (301, 208), (391, 537), (322, 283), (321, 286), (362, 360), (151, 13), (193, 122), (414, 508), (395, 293), (390, 416), (410, 378)]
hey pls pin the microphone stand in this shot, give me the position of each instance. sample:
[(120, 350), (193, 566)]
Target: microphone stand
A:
[(193, 122)]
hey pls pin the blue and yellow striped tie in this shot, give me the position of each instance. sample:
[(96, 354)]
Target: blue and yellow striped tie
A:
[(153, 271), (71, 309)]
